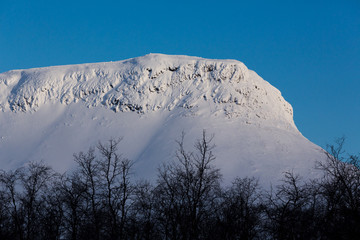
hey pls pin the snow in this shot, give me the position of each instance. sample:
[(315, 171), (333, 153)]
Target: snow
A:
[(50, 113)]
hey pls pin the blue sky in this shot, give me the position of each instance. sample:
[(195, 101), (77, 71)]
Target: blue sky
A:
[(309, 50)]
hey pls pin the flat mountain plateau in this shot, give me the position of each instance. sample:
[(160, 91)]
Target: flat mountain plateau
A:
[(53, 112)]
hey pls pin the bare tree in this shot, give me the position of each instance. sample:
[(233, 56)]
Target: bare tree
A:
[(145, 225), (240, 215), (10, 205), (89, 173), (73, 193), (290, 210), (35, 179), (52, 211), (107, 180), (186, 189), (340, 190), (114, 173)]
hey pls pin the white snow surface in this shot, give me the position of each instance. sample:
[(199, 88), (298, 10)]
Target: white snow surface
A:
[(50, 113)]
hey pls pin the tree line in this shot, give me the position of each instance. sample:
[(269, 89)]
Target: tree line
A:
[(99, 200)]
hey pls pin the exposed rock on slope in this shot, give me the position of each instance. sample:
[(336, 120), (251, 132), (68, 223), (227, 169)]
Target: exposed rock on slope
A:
[(151, 83), (50, 113)]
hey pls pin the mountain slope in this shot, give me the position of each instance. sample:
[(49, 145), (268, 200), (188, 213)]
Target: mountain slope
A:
[(50, 113)]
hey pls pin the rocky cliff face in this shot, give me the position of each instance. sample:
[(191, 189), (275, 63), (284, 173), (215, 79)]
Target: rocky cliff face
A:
[(151, 83)]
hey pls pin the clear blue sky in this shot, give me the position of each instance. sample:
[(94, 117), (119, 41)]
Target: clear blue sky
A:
[(309, 50)]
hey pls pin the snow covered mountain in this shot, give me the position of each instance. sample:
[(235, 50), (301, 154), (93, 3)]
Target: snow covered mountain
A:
[(50, 113)]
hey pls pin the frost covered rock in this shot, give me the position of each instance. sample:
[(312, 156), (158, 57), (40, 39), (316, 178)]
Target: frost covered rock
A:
[(153, 82)]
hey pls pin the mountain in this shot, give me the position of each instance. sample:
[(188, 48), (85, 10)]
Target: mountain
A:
[(50, 113)]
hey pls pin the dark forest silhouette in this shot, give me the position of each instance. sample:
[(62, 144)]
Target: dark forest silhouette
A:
[(99, 200)]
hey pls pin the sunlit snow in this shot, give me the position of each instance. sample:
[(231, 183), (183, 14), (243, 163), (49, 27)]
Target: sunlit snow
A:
[(50, 113)]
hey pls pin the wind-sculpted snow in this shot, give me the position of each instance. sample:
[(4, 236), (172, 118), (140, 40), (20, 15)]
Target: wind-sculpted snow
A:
[(151, 83), (51, 113)]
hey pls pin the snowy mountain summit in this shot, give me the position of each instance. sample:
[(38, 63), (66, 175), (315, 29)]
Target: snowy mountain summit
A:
[(56, 111), (151, 83)]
